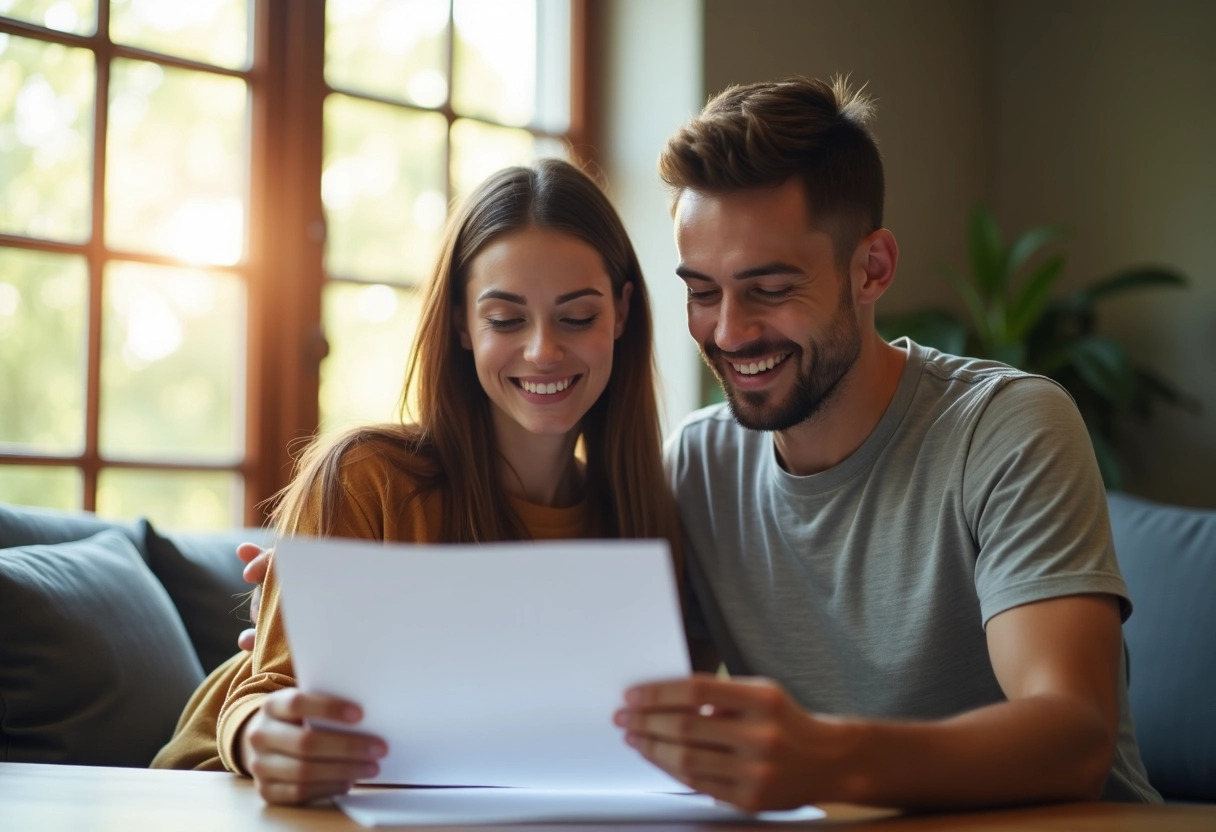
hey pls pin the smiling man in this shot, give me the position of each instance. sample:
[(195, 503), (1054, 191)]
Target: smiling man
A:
[(903, 557)]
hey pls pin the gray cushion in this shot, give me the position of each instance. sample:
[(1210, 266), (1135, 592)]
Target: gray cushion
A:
[(23, 525), (202, 574), (1168, 557), (95, 664)]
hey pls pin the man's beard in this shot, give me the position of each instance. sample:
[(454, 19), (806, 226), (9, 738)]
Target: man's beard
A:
[(816, 382)]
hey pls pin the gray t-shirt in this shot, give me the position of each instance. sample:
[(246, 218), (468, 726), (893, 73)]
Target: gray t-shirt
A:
[(865, 589)]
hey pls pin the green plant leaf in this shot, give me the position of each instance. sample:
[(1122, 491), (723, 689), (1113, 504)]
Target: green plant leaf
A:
[(1028, 243), (1136, 278), (937, 328), (1032, 299), (975, 304), (987, 254), (1108, 461), (1103, 366)]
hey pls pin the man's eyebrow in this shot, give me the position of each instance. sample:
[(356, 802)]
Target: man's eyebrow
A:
[(510, 297), (775, 267)]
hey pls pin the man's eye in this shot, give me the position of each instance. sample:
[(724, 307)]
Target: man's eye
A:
[(703, 295), (772, 293)]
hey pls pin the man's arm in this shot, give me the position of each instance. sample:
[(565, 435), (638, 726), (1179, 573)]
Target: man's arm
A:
[(746, 742)]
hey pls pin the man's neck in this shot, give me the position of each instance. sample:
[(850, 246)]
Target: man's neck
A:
[(849, 417)]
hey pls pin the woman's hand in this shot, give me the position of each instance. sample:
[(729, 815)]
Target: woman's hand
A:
[(296, 763), (256, 559)]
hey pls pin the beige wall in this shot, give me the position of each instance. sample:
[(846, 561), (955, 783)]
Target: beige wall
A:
[(1106, 121)]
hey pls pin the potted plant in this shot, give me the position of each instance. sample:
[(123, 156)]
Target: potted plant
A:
[(1012, 317)]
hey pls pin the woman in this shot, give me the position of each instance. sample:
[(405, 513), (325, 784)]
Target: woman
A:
[(532, 383)]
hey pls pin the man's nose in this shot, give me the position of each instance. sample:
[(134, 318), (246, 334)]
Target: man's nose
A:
[(737, 326), (544, 347)]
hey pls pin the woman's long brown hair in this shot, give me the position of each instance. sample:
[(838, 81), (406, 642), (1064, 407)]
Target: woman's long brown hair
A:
[(451, 442)]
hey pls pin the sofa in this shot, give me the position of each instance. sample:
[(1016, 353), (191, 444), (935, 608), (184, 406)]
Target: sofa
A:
[(106, 628)]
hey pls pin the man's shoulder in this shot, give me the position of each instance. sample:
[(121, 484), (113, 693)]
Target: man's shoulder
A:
[(957, 376)]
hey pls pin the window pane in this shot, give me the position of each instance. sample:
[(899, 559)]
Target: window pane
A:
[(390, 48), (40, 485), (210, 31), (43, 315), (76, 16), (172, 500), (176, 175), (383, 188), (494, 62), (480, 149), (172, 364), (370, 329), (46, 115)]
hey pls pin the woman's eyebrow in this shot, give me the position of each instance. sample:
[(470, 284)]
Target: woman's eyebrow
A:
[(510, 297)]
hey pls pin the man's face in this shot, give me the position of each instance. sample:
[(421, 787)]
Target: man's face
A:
[(773, 315)]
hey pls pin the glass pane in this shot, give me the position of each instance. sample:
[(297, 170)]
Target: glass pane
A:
[(172, 500), (211, 31), (370, 330), (43, 322), (172, 364), (383, 188), (480, 149), (46, 139), (76, 16), (494, 60), (40, 485), (176, 175), (391, 48)]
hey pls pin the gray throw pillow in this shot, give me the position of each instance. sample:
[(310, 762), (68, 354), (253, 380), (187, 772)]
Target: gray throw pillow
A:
[(24, 525), (95, 664), (202, 574)]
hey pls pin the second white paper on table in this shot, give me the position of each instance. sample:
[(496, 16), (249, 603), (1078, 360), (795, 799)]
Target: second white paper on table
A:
[(488, 665)]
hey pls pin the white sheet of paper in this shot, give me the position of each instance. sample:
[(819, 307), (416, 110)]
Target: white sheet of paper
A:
[(452, 807), (488, 665)]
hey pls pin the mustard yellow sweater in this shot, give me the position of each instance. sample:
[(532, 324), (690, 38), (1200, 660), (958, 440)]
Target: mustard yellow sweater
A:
[(378, 503)]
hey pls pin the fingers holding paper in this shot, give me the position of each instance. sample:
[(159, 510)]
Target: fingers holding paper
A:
[(745, 742), (295, 762)]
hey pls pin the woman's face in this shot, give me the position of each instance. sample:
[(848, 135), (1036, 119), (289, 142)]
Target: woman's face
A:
[(540, 319)]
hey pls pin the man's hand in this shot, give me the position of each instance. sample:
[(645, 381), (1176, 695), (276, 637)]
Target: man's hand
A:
[(296, 763), (256, 559), (743, 741)]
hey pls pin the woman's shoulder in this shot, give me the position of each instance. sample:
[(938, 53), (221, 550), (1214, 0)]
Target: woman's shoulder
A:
[(382, 451)]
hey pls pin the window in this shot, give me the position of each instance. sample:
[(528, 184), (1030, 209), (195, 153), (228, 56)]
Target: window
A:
[(215, 217)]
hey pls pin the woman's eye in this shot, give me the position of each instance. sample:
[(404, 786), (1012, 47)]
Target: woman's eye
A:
[(503, 323), (580, 323)]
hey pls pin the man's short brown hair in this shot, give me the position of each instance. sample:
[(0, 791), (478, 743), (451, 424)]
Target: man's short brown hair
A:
[(763, 135)]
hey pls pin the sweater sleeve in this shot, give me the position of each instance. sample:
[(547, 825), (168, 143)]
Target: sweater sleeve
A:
[(368, 486)]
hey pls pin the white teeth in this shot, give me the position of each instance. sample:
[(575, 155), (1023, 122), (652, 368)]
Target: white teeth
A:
[(546, 389), (759, 367)]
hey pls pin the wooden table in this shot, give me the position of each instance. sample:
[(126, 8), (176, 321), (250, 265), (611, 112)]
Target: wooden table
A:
[(44, 798)]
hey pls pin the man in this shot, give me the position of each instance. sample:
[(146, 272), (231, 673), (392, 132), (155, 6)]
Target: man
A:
[(910, 551)]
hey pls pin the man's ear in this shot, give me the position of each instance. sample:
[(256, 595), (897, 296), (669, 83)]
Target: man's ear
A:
[(621, 306), (874, 264), (461, 324)]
